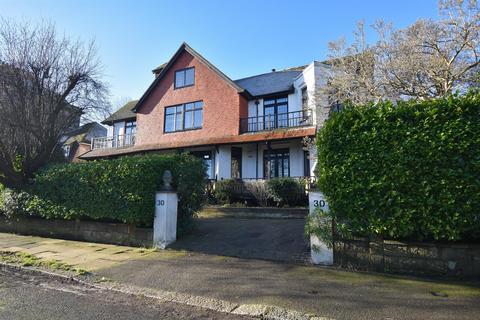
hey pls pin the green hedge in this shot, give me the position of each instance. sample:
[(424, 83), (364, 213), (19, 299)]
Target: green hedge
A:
[(120, 189), (287, 192), (410, 171), (282, 192), (224, 192)]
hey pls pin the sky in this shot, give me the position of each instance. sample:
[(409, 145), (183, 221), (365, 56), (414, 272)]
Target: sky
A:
[(241, 37)]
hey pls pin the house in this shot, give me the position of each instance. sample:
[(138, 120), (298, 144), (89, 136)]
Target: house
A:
[(250, 128), (78, 141)]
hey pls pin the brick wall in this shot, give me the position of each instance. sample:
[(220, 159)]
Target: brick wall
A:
[(91, 231), (456, 260), (223, 106)]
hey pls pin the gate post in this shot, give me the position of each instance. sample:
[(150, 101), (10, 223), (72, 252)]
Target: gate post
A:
[(320, 253), (165, 221)]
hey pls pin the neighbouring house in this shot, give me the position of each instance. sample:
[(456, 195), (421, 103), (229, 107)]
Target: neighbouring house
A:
[(79, 140), (251, 128)]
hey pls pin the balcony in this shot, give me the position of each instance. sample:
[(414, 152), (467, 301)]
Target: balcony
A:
[(118, 141), (276, 121)]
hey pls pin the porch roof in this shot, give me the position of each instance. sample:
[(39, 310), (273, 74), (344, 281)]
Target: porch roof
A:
[(280, 134)]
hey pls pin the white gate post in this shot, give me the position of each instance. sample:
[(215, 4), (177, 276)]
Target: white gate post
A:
[(165, 221), (319, 251)]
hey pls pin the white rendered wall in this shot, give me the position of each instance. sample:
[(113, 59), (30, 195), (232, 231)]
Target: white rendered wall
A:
[(249, 160)]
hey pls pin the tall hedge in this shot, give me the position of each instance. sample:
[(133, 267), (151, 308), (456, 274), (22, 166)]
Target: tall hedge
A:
[(405, 171), (120, 189)]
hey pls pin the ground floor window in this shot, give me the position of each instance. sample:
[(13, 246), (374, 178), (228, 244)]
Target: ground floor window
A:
[(276, 163)]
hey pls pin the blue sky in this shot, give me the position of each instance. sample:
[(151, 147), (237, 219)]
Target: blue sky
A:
[(242, 38)]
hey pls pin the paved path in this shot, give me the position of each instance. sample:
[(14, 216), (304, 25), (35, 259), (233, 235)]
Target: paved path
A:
[(85, 255), (26, 296), (323, 291)]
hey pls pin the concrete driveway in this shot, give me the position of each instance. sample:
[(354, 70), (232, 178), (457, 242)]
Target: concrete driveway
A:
[(267, 239)]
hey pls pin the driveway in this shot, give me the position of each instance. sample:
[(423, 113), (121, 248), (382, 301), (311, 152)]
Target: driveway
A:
[(267, 239)]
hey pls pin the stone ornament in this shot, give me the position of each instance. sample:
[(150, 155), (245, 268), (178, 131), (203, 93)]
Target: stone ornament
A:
[(167, 180)]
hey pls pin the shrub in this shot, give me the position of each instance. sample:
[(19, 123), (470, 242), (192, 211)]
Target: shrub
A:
[(406, 171), (13, 203), (2, 190), (120, 189), (287, 191), (224, 191), (259, 191)]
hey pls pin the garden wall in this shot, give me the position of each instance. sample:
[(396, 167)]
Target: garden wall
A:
[(91, 231), (458, 260)]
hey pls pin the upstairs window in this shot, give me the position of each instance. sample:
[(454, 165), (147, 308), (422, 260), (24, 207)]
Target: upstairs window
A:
[(184, 78), (130, 127), (182, 117)]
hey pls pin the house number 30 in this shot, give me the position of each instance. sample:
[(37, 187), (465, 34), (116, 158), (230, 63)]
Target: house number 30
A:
[(319, 203), (160, 202)]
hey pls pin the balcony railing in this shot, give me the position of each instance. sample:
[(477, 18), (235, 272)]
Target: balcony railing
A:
[(275, 121), (118, 141)]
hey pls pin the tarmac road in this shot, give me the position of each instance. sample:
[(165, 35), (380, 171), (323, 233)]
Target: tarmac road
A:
[(27, 296)]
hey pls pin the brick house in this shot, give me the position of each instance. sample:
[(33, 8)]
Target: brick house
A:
[(250, 128), (78, 141)]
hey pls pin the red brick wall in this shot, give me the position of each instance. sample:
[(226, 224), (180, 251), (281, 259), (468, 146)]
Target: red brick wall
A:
[(222, 109), (82, 148)]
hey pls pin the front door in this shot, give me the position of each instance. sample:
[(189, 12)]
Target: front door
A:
[(236, 163)]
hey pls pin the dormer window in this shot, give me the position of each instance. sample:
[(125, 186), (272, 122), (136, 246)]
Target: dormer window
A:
[(184, 78)]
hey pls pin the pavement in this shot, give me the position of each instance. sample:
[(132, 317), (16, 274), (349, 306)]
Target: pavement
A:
[(35, 296), (326, 292)]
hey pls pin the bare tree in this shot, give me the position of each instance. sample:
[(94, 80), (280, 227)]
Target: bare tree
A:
[(352, 76), (425, 60), (47, 82)]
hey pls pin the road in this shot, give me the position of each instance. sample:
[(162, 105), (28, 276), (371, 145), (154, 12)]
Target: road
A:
[(27, 296)]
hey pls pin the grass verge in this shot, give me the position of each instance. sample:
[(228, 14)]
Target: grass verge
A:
[(29, 260)]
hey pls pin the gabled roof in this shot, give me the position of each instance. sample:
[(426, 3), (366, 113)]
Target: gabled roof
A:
[(124, 113), (186, 47), (80, 134), (269, 83)]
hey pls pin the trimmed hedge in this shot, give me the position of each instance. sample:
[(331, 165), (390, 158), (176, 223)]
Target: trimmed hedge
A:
[(282, 192), (287, 192), (405, 171), (120, 189)]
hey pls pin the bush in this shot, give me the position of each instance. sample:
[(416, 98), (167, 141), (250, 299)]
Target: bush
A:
[(287, 192), (224, 191), (120, 189), (259, 191), (2, 190), (410, 171)]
